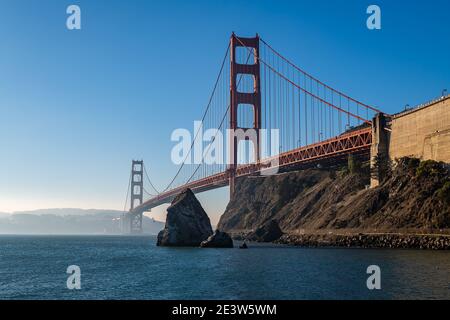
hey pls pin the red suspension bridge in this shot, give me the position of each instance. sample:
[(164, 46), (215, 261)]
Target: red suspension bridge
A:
[(305, 122)]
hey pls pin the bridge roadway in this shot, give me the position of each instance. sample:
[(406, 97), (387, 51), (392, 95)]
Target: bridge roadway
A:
[(352, 142)]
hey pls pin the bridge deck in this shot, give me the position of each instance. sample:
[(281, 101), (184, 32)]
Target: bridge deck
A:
[(358, 141)]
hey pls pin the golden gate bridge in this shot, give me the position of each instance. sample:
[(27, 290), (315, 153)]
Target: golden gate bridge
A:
[(257, 89)]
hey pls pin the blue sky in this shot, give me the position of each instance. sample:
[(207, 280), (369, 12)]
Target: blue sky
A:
[(77, 106)]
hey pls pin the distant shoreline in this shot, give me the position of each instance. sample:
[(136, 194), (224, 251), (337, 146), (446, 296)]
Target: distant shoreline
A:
[(70, 222)]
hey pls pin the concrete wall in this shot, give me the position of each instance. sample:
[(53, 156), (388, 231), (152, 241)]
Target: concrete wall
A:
[(423, 132), (379, 148)]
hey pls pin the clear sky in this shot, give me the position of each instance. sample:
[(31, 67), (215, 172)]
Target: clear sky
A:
[(77, 106)]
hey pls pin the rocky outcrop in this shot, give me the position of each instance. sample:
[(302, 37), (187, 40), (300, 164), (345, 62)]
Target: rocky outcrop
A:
[(307, 199), (243, 246), (413, 199), (268, 232), (218, 239), (187, 224)]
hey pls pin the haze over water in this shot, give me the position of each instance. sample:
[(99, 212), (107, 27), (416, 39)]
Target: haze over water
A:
[(122, 267)]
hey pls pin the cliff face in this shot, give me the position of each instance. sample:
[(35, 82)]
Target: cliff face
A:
[(413, 197)]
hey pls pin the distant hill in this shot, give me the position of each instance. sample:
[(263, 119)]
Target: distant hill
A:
[(4, 214), (70, 212), (69, 221)]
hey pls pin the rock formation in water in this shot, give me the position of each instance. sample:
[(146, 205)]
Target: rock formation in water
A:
[(414, 198), (218, 239), (268, 232), (187, 224)]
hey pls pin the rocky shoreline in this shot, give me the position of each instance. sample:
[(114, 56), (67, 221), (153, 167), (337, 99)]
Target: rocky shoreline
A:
[(398, 241), (333, 207)]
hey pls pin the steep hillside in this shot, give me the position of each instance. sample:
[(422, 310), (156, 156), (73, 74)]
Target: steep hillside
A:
[(415, 197)]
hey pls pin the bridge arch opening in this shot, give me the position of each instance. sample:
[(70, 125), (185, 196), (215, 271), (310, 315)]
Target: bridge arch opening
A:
[(136, 203), (245, 56), (246, 152), (246, 116), (245, 83)]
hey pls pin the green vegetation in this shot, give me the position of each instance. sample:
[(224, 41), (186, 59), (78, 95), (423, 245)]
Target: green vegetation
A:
[(412, 164), (428, 168), (382, 168), (437, 171), (353, 165)]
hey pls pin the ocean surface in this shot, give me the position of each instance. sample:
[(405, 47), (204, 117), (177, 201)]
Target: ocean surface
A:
[(124, 267)]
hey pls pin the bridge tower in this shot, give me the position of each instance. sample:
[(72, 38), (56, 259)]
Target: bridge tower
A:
[(137, 196), (238, 99)]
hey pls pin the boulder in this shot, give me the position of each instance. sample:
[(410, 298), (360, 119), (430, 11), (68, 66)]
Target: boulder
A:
[(268, 232), (243, 246), (218, 239), (187, 224)]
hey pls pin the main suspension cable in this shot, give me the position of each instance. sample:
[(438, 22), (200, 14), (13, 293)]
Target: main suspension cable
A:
[(203, 118), (148, 179), (220, 126), (128, 193), (300, 88), (317, 80)]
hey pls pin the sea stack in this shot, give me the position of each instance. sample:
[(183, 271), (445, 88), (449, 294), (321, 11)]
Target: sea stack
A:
[(187, 223)]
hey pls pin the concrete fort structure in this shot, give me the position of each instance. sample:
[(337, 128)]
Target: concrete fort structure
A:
[(422, 132)]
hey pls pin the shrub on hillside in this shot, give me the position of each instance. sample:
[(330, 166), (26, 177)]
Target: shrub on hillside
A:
[(353, 165), (444, 193), (429, 168)]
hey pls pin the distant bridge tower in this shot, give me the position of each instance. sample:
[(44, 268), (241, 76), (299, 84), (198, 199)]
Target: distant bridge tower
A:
[(238, 99), (137, 195)]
